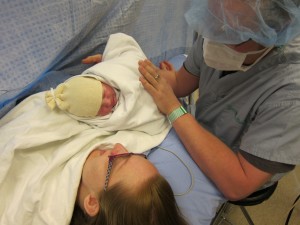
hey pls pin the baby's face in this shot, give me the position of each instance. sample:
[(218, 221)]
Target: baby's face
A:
[(109, 100)]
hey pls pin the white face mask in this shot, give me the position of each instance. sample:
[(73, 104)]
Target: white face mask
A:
[(221, 57)]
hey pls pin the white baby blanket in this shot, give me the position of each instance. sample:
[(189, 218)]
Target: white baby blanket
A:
[(42, 152)]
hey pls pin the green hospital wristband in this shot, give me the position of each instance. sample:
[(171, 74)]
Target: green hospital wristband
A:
[(180, 111)]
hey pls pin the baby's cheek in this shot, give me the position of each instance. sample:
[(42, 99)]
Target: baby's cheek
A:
[(104, 110)]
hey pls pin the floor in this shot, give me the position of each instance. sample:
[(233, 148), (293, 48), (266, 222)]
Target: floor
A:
[(275, 210)]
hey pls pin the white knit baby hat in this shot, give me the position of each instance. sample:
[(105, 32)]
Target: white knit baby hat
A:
[(79, 95)]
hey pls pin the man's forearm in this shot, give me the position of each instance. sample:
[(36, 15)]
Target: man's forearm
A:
[(231, 173)]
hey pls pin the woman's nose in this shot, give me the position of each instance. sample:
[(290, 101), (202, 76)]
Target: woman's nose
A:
[(119, 148)]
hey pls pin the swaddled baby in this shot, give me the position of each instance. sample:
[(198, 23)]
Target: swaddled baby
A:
[(109, 95)]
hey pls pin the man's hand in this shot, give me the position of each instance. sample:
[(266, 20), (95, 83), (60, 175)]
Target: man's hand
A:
[(154, 82), (92, 59)]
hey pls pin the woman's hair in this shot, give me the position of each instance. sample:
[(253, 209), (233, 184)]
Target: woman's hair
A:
[(152, 203)]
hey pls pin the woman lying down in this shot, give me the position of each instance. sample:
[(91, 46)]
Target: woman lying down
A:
[(50, 162), (134, 193)]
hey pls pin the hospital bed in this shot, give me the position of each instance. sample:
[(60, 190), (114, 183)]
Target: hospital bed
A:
[(43, 42)]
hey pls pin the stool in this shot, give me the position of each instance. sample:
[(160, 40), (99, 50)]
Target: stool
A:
[(255, 198)]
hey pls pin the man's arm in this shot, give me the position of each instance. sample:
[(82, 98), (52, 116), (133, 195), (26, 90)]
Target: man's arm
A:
[(234, 176)]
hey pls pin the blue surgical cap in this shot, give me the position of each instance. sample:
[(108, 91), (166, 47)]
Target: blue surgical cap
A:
[(268, 22)]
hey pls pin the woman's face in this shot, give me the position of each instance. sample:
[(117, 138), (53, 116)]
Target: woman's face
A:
[(130, 170), (109, 100)]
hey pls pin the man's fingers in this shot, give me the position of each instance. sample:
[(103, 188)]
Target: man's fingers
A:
[(92, 59)]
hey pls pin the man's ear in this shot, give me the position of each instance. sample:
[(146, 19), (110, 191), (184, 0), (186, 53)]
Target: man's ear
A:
[(91, 205)]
